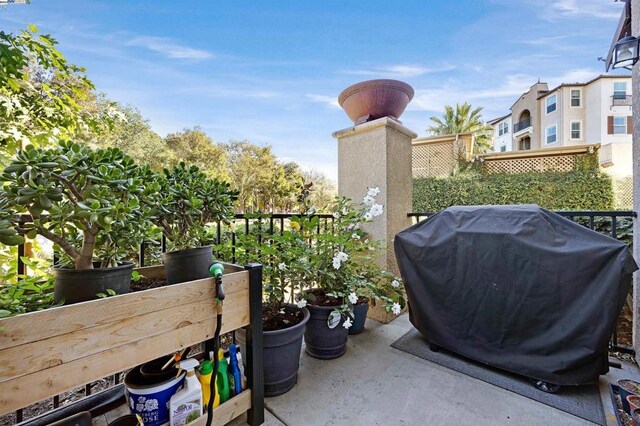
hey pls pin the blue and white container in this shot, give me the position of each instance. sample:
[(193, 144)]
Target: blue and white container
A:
[(149, 395)]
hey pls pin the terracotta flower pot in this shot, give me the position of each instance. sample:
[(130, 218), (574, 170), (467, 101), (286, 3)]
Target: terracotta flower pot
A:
[(627, 388), (373, 99), (634, 402)]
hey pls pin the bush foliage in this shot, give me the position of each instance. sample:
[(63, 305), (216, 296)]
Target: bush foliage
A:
[(576, 190)]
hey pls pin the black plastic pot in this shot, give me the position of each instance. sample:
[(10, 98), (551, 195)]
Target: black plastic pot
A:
[(359, 318), (321, 341), (187, 265), (128, 420), (80, 285), (281, 349)]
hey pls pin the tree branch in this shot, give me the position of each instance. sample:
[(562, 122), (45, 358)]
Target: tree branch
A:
[(69, 185), (64, 244)]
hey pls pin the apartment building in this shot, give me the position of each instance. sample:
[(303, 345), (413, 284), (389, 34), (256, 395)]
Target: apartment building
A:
[(598, 111)]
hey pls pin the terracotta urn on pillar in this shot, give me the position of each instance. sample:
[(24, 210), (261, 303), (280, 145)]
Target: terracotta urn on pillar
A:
[(373, 99)]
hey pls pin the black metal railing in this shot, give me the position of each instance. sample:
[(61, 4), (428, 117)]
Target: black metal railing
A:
[(520, 125), (617, 224), (621, 100)]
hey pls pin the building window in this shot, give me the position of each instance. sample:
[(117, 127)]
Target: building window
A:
[(503, 128), (575, 97), (620, 90), (575, 130), (619, 125), (503, 148), (551, 103), (551, 134)]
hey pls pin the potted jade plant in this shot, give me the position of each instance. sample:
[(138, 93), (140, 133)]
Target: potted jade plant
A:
[(287, 268), (186, 204), (347, 275), (88, 203)]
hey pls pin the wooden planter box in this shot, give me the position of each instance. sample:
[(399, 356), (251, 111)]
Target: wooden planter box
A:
[(45, 353)]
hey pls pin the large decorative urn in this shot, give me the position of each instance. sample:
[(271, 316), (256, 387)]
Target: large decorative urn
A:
[(373, 99)]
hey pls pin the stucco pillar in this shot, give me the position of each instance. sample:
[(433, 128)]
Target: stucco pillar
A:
[(635, 30), (378, 153)]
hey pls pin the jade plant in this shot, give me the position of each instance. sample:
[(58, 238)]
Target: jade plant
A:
[(188, 202), (87, 202)]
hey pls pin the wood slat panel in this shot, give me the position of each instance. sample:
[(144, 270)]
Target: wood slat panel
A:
[(34, 387), (40, 325), (228, 411), (35, 356)]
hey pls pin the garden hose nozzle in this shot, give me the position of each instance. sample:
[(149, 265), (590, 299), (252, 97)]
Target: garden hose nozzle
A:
[(216, 270)]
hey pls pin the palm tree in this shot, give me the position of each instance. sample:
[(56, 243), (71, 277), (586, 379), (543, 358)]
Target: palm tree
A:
[(463, 119)]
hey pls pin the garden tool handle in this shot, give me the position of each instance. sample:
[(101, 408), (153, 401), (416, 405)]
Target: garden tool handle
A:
[(216, 270)]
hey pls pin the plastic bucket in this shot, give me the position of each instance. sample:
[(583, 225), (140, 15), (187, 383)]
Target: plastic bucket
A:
[(149, 395)]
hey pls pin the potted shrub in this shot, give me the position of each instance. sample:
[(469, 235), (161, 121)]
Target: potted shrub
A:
[(88, 203), (287, 269), (628, 387), (186, 203), (347, 275)]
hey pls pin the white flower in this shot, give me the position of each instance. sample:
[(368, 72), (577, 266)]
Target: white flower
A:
[(353, 298), (396, 308), (347, 323), (376, 210), (342, 256), (282, 266), (303, 260), (368, 216), (345, 211), (301, 303), (373, 192), (355, 236), (367, 200), (336, 264), (336, 215), (395, 283)]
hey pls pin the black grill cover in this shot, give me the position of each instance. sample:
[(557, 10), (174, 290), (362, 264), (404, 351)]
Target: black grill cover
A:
[(516, 287)]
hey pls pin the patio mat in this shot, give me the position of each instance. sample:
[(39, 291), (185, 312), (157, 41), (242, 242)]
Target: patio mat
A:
[(581, 401)]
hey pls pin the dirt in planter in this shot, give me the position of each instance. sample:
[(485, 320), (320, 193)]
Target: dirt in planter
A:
[(626, 419), (362, 300), (279, 317), (148, 283), (318, 297)]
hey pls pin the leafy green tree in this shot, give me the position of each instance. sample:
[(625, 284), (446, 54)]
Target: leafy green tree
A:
[(322, 191), (193, 146), (464, 119), (131, 133), (41, 94)]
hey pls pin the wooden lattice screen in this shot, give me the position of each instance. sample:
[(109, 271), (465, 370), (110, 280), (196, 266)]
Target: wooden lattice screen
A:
[(433, 160), (558, 163)]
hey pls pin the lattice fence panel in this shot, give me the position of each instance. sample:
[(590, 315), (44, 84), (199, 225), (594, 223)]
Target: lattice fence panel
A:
[(623, 193), (433, 160), (559, 163)]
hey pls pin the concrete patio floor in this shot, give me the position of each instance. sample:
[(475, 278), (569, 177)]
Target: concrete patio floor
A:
[(375, 384)]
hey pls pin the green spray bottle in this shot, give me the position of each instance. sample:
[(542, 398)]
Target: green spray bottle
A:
[(222, 378)]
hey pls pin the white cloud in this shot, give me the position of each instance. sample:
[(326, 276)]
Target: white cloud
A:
[(323, 99), (168, 47), (593, 8), (400, 70)]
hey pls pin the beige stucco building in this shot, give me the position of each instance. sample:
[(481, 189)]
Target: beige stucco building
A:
[(572, 114)]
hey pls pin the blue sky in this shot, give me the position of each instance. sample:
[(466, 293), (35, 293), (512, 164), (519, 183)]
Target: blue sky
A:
[(271, 71)]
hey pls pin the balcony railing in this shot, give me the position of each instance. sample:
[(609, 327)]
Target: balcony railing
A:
[(621, 100), (521, 125)]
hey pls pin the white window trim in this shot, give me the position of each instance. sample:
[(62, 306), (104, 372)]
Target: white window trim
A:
[(545, 134), (546, 107), (579, 89), (571, 131), (626, 88)]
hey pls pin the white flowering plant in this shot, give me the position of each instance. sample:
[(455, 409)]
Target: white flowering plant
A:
[(345, 262)]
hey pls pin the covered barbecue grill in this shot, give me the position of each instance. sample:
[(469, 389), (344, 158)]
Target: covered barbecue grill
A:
[(516, 287)]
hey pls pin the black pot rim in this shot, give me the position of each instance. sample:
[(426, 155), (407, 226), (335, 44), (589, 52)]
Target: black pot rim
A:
[(186, 252), (301, 324), (122, 266)]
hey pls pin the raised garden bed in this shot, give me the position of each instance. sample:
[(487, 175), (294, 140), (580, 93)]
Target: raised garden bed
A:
[(48, 352)]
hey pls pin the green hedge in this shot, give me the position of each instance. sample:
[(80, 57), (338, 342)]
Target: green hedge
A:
[(576, 190)]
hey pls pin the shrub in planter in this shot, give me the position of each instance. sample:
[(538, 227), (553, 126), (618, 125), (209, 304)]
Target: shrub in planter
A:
[(188, 201), (88, 203), (347, 275), (286, 269)]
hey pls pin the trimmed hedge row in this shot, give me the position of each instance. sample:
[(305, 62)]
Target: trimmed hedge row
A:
[(576, 190)]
